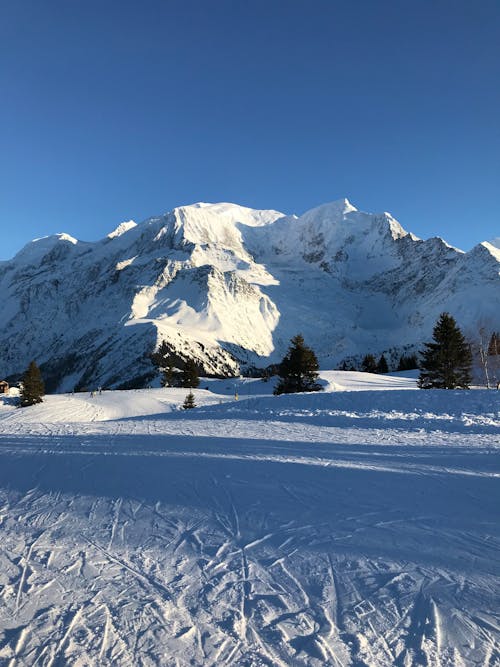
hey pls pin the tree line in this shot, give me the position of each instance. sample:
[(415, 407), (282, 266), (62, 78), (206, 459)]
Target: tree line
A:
[(445, 363), (175, 372)]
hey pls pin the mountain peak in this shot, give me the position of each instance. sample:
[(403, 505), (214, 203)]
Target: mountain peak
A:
[(226, 212), (493, 247), (228, 285), (54, 238), (122, 228), (39, 247), (335, 209)]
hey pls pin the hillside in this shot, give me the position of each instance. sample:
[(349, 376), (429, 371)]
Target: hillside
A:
[(229, 286)]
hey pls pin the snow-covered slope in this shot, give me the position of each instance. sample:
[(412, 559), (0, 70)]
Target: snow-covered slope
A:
[(338, 528), (230, 285)]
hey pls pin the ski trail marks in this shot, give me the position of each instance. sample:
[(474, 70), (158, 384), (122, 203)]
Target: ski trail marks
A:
[(22, 579), (116, 516)]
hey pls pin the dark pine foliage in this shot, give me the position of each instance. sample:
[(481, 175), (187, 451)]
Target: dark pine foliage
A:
[(369, 365), (408, 363), (494, 345), (33, 388), (165, 363), (299, 369), (161, 357), (168, 376), (190, 376), (189, 402), (382, 366), (447, 361)]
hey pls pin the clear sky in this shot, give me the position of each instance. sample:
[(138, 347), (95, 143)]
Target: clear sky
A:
[(112, 110)]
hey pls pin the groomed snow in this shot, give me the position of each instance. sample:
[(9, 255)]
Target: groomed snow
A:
[(357, 526)]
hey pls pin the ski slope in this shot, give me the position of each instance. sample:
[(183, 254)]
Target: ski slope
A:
[(357, 526)]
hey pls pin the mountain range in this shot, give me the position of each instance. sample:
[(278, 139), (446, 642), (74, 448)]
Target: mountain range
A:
[(229, 286)]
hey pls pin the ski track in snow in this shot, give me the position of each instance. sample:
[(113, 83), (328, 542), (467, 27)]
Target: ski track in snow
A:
[(309, 530)]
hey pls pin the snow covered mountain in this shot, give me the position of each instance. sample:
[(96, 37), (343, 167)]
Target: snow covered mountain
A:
[(229, 285)]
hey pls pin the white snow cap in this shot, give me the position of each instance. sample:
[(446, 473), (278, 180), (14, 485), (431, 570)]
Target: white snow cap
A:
[(38, 248), (48, 240), (122, 228), (335, 209), (493, 248), (229, 213)]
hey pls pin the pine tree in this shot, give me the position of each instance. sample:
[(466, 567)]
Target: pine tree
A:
[(494, 344), (382, 366), (167, 378), (161, 357), (408, 363), (369, 365), (446, 362), (189, 402), (190, 376), (298, 370), (32, 386), (163, 362)]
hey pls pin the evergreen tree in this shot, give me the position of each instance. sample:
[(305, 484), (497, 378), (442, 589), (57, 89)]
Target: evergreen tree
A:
[(298, 370), (167, 378), (494, 344), (382, 366), (189, 402), (32, 386), (190, 374), (266, 374), (408, 363), (161, 357), (446, 362), (165, 363), (369, 365)]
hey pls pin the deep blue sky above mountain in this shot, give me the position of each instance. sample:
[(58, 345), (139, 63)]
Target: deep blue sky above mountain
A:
[(117, 110)]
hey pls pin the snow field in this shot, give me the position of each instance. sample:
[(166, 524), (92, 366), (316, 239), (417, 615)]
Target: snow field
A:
[(341, 528)]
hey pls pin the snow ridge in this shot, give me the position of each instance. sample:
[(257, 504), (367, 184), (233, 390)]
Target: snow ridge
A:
[(122, 228)]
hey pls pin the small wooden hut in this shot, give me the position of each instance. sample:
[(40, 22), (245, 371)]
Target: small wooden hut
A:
[(4, 387)]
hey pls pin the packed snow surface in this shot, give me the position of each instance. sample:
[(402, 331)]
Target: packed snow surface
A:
[(345, 527)]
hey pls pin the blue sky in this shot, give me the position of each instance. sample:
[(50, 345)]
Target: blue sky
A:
[(119, 110)]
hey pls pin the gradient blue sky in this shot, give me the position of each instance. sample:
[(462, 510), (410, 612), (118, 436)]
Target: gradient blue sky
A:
[(119, 110)]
